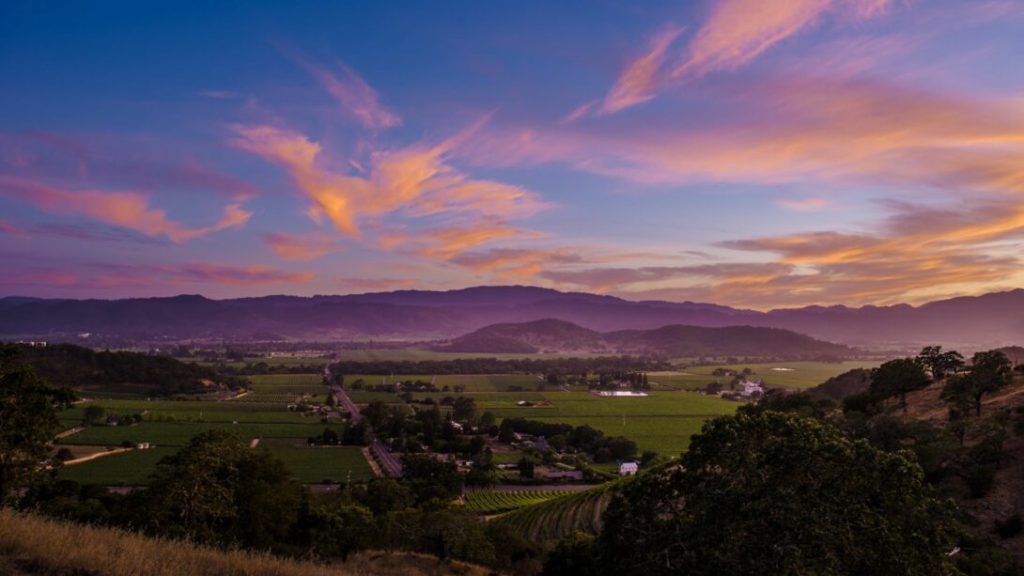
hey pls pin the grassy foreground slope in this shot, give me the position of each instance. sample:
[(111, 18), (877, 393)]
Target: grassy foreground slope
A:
[(33, 546)]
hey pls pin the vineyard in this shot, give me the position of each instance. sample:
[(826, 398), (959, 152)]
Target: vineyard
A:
[(497, 501), (558, 517)]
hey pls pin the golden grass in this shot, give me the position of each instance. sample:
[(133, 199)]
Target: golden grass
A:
[(37, 546)]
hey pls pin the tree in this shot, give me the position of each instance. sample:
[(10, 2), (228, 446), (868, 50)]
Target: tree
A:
[(574, 554), (340, 531), (778, 494), (94, 414), (940, 363), (959, 392), (216, 490), (990, 372), (897, 378), (526, 467), (464, 409), (28, 420)]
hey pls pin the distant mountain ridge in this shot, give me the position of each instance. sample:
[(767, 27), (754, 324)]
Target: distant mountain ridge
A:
[(674, 341), (995, 319)]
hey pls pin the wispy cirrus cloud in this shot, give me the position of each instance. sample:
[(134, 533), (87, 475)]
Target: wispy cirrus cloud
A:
[(300, 246), (11, 230), (129, 210), (193, 273), (351, 92), (735, 33)]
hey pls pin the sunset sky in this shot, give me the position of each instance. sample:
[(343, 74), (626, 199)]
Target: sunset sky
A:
[(750, 153)]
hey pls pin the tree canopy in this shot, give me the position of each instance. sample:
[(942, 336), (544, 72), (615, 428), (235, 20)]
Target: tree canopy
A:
[(778, 494)]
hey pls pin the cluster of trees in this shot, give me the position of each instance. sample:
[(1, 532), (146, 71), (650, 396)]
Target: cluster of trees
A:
[(608, 364), (413, 431), (219, 492), (562, 437), (351, 435), (70, 365), (964, 388)]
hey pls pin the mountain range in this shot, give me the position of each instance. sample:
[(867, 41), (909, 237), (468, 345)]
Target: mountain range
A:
[(988, 320)]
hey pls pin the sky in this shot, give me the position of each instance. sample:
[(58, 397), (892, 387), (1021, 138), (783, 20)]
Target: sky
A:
[(748, 153)]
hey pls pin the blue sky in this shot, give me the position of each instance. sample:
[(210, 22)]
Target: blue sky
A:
[(748, 153)]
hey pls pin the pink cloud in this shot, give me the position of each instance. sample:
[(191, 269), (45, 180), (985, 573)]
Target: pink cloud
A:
[(129, 210), (735, 33), (352, 93), (803, 204), (194, 273), (300, 247), (11, 230)]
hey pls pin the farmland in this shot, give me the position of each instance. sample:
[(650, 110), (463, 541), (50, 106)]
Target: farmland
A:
[(558, 517), (662, 422), (775, 375), (496, 501), (170, 424)]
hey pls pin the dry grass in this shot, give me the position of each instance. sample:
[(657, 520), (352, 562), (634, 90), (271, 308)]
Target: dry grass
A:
[(34, 546)]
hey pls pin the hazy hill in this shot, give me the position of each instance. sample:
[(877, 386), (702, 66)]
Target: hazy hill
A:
[(667, 341), (983, 321), (537, 336)]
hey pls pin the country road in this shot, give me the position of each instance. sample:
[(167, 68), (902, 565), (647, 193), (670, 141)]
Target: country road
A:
[(387, 459)]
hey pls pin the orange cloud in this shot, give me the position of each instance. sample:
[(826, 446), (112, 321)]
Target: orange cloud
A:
[(803, 204), (735, 33), (296, 247), (129, 210), (413, 182), (642, 78)]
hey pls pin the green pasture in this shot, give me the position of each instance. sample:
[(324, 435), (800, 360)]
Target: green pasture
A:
[(313, 465)]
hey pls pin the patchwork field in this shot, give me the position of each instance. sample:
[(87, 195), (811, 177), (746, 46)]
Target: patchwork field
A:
[(170, 424)]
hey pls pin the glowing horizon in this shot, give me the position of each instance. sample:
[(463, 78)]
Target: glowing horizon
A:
[(730, 151)]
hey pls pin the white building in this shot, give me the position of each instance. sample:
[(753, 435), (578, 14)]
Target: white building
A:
[(752, 387), (628, 468)]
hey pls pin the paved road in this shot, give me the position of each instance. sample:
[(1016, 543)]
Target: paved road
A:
[(392, 464)]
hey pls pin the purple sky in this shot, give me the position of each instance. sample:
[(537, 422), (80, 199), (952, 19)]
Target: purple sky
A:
[(757, 154)]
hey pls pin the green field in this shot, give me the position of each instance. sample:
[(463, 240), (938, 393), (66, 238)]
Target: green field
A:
[(311, 465), (169, 424), (551, 520), (663, 421), (125, 469), (775, 374), (496, 501)]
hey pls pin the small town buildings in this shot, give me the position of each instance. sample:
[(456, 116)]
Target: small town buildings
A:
[(628, 468)]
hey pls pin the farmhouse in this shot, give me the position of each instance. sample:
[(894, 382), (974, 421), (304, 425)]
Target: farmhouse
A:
[(752, 388), (628, 468)]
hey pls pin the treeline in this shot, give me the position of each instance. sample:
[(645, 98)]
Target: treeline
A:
[(604, 364), (584, 438), (75, 366)]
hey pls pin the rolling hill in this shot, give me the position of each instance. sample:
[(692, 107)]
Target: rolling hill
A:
[(550, 335), (975, 322)]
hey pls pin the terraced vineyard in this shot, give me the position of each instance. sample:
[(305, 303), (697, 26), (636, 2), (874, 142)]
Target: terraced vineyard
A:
[(558, 517), (496, 501)]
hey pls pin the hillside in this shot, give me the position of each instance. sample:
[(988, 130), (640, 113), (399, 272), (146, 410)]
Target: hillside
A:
[(33, 546), (85, 369), (983, 321), (675, 341), (547, 335)]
